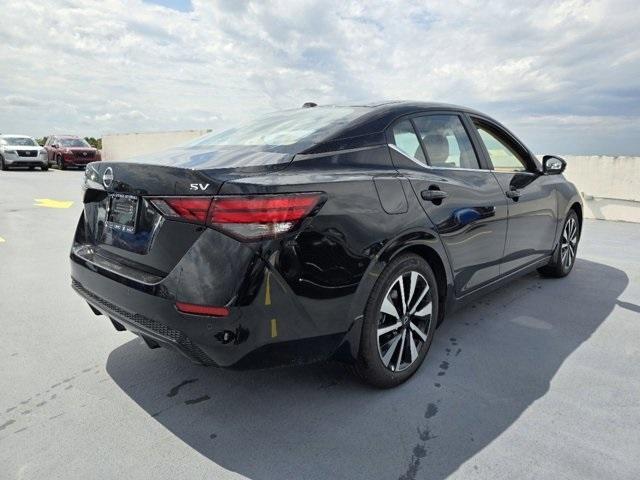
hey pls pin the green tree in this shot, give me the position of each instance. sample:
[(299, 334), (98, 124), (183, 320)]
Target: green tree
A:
[(94, 142)]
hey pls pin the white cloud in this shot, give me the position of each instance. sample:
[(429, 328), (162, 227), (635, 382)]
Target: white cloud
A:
[(94, 66)]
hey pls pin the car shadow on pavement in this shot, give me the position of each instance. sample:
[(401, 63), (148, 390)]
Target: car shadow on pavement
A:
[(489, 362)]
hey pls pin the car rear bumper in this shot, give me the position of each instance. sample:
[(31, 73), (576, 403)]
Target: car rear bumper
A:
[(268, 329)]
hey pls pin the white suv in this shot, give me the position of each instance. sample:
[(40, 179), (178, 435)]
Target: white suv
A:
[(21, 151)]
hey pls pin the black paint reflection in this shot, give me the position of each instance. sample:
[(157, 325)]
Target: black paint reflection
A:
[(462, 217)]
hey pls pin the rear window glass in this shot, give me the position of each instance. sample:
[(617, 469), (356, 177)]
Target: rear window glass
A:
[(284, 128)]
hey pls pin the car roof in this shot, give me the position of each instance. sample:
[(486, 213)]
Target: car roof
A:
[(377, 116)]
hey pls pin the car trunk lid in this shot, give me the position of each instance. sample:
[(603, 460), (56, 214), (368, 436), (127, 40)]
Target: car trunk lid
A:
[(122, 226)]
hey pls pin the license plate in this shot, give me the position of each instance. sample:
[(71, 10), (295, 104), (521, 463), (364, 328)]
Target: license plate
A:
[(123, 212)]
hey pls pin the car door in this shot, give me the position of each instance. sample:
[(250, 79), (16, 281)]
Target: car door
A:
[(532, 203), (460, 196)]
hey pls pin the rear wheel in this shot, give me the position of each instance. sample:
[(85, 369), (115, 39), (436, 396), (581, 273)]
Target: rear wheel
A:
[(44, 168), (564, 256), (3, 166), (399, 322)]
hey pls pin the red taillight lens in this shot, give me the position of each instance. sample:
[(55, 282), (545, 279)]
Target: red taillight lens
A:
[(244, 217), (265, 209), (261, 216), (202, 309), (190, 209)]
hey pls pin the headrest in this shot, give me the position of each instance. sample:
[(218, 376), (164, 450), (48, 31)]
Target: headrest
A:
[(437, 147)]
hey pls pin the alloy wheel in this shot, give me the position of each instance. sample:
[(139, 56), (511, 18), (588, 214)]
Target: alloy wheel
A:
[(405, 317), (569, 243)]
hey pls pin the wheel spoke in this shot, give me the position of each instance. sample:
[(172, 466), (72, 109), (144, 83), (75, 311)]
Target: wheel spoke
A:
[(392, 348), (412, 347), (402, 297), (400, 355), (422, 295), (390, 328), (424, 311), (420, 333), (389, 308), (412, 286)]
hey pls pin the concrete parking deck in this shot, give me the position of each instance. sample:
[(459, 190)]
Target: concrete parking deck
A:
[(538, 380)]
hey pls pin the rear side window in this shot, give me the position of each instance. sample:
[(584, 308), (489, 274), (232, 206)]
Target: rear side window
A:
[(503, 157), (405, 138), (446, 141)]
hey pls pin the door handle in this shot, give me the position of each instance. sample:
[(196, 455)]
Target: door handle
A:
[(433, 195), (514, 193)]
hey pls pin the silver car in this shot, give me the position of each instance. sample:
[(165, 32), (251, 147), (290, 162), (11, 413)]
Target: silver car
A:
[(21, 151)]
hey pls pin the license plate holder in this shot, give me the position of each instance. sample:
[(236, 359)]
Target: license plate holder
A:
[(123, 212)]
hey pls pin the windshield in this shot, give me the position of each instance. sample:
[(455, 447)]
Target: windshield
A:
[(73, 142), (20, 141), (284, 128)]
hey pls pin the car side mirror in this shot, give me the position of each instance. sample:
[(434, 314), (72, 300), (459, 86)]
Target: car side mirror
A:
[(54, 145), (552, 165)]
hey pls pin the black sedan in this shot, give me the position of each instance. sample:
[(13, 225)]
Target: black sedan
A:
[(344, 232)]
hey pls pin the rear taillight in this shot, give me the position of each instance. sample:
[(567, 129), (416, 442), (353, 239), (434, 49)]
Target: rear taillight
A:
[(190, 209), (244, 217)]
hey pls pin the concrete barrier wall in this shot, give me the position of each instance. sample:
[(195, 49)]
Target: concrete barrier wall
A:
[(126, 145), (610, 186)]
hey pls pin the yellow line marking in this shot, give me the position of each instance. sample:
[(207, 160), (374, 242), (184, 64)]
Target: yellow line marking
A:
[(274, 328), (2, 240), (267, 295), (48, 203)]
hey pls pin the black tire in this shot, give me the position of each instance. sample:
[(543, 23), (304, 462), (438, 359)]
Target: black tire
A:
[(564, 256), (370, 365), (44, 168), (60, 163), (32, 168), (3, 166)]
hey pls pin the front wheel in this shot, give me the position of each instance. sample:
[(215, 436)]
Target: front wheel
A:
[(60, 163), (399, 322), (3, 165), (564, 256), (44, 168)]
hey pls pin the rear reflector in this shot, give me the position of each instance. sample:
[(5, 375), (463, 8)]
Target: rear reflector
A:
[(202, 309), (244, 217)]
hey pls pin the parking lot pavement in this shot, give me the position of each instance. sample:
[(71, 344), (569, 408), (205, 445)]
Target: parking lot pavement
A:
[(538, 380)]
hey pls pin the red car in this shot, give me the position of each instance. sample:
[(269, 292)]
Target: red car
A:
[(70, 151)]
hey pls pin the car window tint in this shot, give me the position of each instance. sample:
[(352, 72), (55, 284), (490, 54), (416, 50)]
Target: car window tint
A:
[(446, 141), (405, 138), (503, 157)]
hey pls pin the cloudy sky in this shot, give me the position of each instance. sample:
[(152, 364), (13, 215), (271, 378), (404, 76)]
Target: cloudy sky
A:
[(564, 75)]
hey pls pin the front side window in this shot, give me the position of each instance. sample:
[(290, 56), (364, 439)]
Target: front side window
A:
[(503, 157), (446, 141), (405, 139)]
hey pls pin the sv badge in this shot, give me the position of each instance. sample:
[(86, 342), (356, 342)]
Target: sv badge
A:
[(199, 186)]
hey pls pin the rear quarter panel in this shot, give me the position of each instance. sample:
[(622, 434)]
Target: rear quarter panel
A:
[(332, 264)]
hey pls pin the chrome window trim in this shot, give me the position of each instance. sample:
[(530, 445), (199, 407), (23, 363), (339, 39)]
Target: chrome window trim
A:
[(431, 167)]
